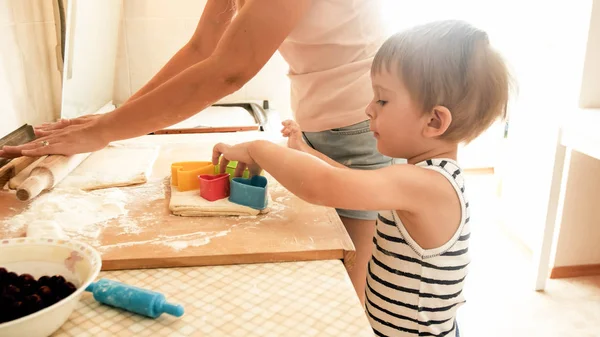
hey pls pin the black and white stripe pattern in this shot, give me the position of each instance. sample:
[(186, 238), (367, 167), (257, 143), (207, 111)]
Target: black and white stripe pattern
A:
[(412, 291)]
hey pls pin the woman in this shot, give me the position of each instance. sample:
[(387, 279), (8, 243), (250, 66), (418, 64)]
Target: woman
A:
[(329, 45)]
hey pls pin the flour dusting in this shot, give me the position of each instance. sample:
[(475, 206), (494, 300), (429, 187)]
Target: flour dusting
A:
[(77, 212), (175, 242), (179, 245)]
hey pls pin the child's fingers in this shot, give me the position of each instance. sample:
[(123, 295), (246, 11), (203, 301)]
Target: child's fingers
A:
[(254, 170), (218, 158), (290, 124), (239, 169)]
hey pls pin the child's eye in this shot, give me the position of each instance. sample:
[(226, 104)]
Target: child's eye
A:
[(381, 102)]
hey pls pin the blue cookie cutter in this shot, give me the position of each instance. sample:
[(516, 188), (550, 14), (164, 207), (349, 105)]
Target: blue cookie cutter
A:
[(249, 192)]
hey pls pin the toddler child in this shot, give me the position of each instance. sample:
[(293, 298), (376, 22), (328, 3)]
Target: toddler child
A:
[(434, 86)]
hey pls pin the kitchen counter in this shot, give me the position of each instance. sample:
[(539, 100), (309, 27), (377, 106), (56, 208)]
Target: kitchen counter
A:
[(313, 298), (224, 286)]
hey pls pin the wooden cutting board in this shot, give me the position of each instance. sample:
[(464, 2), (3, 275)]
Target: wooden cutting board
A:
[(293, 231)]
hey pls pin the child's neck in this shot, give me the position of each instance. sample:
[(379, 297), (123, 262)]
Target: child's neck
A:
[(449, 151)]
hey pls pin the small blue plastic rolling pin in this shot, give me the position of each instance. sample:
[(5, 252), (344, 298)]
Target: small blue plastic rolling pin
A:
[(134, 299)]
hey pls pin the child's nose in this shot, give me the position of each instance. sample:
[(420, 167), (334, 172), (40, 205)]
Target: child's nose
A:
[(370, 111)]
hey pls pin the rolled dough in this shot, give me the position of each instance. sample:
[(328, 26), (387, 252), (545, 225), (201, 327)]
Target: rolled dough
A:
[(190, 203), (114, 166)]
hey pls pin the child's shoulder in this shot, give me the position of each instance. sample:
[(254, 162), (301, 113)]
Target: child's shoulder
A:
[(432, 172), (449, 169), (439, 207)]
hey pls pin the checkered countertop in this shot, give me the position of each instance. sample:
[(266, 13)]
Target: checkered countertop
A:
[(313, 298)]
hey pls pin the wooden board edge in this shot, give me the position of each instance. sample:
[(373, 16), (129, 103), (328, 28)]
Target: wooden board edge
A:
[(222, 260), (575, 271), (349, 258), (207, 130)]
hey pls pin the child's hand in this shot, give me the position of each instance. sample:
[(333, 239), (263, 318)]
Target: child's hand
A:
[(238, 153), (292, 131)]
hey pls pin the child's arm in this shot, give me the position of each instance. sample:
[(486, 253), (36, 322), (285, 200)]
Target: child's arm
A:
[(398, 187), (292, 130)]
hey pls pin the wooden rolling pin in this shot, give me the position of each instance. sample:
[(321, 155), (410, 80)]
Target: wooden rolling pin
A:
[(17, 180), (47, 174), (13, 168)]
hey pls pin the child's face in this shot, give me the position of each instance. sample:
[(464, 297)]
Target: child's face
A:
[(396, 120)]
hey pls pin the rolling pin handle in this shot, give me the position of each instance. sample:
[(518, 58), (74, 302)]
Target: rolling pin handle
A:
[(33, 186), (171, 309)]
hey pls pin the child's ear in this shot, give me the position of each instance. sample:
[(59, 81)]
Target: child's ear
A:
[(438, 121)]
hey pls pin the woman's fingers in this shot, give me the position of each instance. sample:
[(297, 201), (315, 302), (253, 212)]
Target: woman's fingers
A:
[(28, 146), (60, 124), (63, 123), (25, 149), (57, 148), (42, 133)]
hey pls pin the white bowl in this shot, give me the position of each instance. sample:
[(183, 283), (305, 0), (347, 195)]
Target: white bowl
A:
[(77, 262)]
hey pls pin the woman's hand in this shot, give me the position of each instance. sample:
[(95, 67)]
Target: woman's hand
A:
[(239, 153), (47, 129), (66, 137), (292, 131)]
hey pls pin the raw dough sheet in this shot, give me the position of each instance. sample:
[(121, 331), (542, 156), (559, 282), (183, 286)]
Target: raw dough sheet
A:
[(190, 203), (114, 166)]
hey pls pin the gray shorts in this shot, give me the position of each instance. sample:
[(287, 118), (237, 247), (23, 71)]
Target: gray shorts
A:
[(353, 146)]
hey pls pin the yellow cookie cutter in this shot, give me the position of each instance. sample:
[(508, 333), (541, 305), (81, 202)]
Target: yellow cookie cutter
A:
[(184, 175)]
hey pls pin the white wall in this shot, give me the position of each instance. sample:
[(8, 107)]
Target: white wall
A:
[(90, 55), (29, 76), (590, 87), (548, 59), (153, 30)]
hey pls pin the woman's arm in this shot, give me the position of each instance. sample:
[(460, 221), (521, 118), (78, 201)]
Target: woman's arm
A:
[(215, 18), (245, 47)]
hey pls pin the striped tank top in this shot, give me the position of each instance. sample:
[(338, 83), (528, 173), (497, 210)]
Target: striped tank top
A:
[(413, 291)]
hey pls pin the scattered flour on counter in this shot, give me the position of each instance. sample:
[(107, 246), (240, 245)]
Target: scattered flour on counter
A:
[(205, 238), (179, 245), (77, 212), (129, 226), (152, 190), (175, 242)]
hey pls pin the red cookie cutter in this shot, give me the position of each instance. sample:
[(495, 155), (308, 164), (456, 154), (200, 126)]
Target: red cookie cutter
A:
[(214, 187)]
